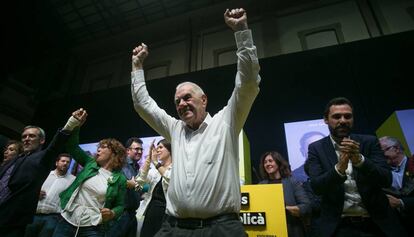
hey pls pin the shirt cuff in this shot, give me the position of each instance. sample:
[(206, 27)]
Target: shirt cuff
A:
[(244, 39), (340, 174), (137, 76), (361, 161)]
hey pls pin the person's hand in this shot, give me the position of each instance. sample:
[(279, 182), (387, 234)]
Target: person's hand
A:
[(351, 148), (342, 164), (293, 210), (107, 214), (76, 120), (80, 115), (394, 202), (153, 153), (236, 19), (131, 183), (42, 195), (139, 54)]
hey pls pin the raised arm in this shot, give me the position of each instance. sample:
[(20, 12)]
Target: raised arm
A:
[(144, 105), (58, 143), (74, 123), (139, 54), (247, 77), (141, 179)]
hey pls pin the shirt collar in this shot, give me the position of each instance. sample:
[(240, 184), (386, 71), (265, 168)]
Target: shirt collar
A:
[(54, 172), (204, 124), (129, 160), (398, 169), (335, 145)]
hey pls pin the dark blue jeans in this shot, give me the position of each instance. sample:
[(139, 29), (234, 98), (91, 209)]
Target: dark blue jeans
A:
[(43, 225), (65, 229), (125, 226)]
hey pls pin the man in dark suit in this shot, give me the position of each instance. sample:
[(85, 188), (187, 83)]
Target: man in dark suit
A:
[(401, 194), (349, 172), (22, 179)]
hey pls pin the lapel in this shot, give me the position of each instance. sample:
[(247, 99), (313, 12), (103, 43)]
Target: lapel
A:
[(4, 168), (404, 179), (329, 151), (355, 171), (18, 162)]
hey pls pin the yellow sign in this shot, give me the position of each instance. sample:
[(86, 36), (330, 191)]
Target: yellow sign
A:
[(263, 210)]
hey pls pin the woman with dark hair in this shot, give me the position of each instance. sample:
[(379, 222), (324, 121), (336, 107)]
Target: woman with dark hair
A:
[(275, 169), (153, 206), (97, 194), (12, 150)]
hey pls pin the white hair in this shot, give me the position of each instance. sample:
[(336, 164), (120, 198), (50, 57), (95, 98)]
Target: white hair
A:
[(391, 141), (194, 87)]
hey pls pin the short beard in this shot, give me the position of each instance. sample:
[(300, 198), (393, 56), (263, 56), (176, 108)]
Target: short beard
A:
[(341, 135)]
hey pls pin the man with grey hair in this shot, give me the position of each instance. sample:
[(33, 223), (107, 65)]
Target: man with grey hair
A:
[(203, 198), (401, 194), (22, 178), (394, 152)]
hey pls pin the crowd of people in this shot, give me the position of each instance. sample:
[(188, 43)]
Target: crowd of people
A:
[(188, 185)]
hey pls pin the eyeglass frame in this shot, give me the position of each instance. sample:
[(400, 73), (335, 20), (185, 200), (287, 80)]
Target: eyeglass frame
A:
[(389, 148), (136, 148)]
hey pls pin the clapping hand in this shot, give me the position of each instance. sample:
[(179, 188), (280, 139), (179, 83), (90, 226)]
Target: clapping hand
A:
[(351, 148), (342, 164), (153, 153)]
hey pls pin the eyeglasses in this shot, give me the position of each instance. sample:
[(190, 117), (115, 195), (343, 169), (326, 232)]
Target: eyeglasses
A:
[(388, 148), (136, 148), (103, 146)]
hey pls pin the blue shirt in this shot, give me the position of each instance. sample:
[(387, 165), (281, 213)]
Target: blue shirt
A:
[(132, 197)]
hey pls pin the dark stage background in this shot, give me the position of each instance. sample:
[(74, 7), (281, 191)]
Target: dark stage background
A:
[(375, 74)]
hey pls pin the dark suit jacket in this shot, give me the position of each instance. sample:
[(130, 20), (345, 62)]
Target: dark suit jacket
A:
[(406, 193), (408, 188), (371, 177), (25, 182)]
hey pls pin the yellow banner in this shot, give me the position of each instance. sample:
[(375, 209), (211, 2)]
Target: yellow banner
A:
[(263, 210)]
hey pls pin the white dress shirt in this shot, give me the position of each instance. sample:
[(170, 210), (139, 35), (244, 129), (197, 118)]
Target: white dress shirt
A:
[(353, 205), (53, 186), (205, 176)]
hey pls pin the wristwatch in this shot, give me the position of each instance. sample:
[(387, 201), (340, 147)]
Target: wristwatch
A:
[(158, 165)]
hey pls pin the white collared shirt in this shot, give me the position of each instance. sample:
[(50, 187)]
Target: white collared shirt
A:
[(353, 205), (205, 176), (53, 186)]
